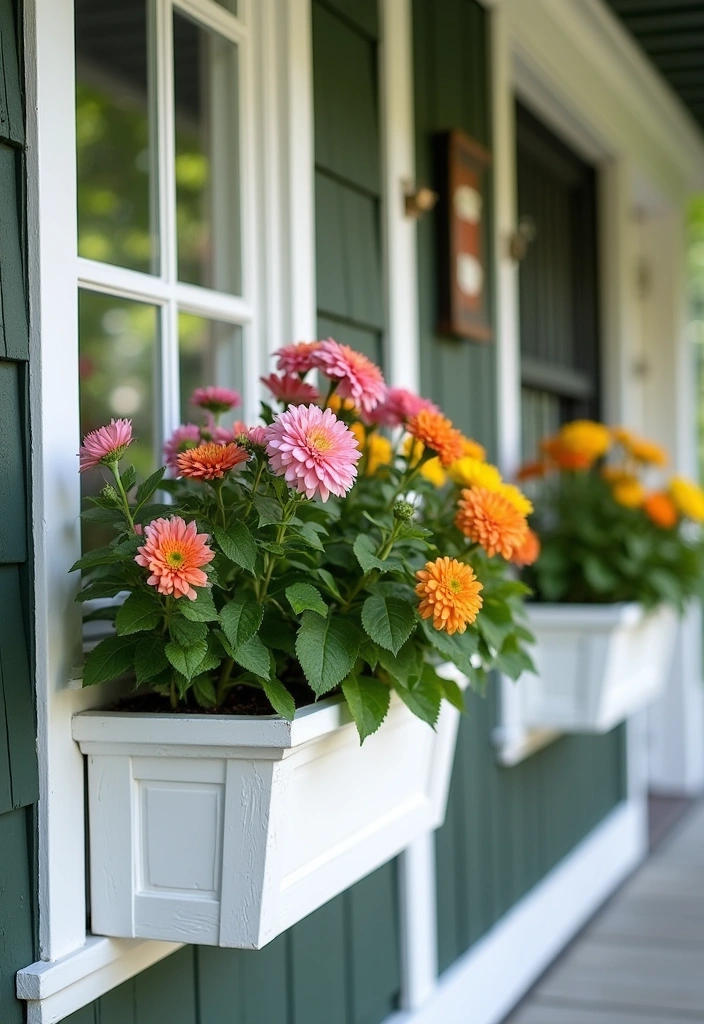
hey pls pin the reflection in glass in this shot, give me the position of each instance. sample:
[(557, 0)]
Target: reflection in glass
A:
[(118, 342), (116, 195), (210, 353), (207, 158)]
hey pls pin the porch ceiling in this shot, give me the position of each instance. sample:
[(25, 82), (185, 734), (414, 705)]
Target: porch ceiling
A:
[(672, 34)]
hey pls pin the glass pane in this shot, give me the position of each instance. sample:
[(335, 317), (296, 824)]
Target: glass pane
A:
[(118, 341), (116, 168), (210, 353), (207, 158)]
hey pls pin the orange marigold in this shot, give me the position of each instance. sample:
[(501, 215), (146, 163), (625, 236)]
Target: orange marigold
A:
[(490, 520), (529, 550), (530, 470), (450, 594), (435, 431), (661, 510), (210, 461), (563, 457)]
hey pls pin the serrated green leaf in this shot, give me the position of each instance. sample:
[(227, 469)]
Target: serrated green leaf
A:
[(141, 611), (453, 693), (129, 478), (100, 556), (406, 666), (280, 699), (304, 597), (365, 553), (109, 516), (100, 589), (309, 533), (329, 581), (278, 635), (269, 510), (424, 698), (240, 620), (326, 649), (238, 545), (146, 489), (512, 660), (254, 657), (150, 658), (110, 659), (185, 632), (204, 691), (368, 701), (147, 513), (202, 609), (388, 621), (458, 648), (187, 660)]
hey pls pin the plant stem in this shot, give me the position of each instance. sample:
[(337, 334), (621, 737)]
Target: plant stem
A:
[(255, 487), (114, 466), (173, 695), (224, 679)]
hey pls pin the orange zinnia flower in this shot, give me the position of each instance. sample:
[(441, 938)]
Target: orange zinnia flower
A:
[(530, 470), (661, 510), (210, 461), (450, 594), (563, 457), (435, 431), (489, 519), (529, 551)]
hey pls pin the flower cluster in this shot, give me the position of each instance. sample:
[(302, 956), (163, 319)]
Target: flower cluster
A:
[(612, 526), (348, 543)]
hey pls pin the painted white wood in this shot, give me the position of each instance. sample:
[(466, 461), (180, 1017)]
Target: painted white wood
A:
[(595, 664), (487, 982), (418, 929), (195, 822)]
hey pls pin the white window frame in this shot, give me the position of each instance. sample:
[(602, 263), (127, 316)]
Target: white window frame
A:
[(277, 304)]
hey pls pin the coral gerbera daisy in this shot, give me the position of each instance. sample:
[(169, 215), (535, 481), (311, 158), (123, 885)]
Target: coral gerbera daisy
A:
[(489, 519), (215, 400), (174, 553), (359, 378), (210, 461), (185, 437), (450, 594), (399, 405), (106, 445), (296, 358), (529, 551), (688, 498), (435, 431), (290, 389), (661, 510), (313, 450)]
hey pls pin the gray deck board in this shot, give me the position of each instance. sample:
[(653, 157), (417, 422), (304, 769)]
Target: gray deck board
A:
[(641, 960)]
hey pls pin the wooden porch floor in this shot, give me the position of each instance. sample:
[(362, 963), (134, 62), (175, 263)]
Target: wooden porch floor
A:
[(641, 960)]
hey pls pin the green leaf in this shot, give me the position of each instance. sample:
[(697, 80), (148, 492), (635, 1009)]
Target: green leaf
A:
[(278, 635), (108, 516), (598, 575), (326, 649), (240, 620), (129, 478), (424, 698), (140, 611), (150, 658), (280, 699), (453, 693), (309, 533), (185, 632), (238, 545), (100, 556), (495, 622), (303, 597), (202, 609), (100, 589), (187, 660), (406, 666), (512, 660), (329, 581), (269, 510), (368, 700), (109, 659), (204, 691), (145, 490), (254, 657), (388, 621), (147, 513), (365, 552), (458, 648)]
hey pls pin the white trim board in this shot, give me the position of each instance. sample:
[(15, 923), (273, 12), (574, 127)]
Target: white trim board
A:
[(487, 982)]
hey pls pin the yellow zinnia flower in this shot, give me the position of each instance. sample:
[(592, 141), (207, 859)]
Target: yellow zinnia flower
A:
[(469, 472), (628, 491), (688, 497), (585, 437), (379, 453), (517, 498), (432, 470)]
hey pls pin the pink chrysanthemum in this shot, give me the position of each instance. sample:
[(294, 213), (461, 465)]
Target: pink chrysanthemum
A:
[(174, 553), (184, 437), (398, 406), (313, 450), (359, 378), (290, 389), (215, 400), (296, 358), (105, 445), (257, 435)]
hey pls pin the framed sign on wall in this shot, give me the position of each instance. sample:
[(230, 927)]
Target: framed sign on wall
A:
[(462, 165)]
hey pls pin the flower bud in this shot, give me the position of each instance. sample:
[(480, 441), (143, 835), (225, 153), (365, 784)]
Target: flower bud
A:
[(109, 493), (403, 510)]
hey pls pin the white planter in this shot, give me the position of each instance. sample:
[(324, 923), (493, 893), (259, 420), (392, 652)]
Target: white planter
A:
[(226, 830), (596, 664)]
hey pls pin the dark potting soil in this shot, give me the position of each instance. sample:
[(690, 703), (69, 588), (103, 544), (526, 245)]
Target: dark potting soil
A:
[(241, 700)]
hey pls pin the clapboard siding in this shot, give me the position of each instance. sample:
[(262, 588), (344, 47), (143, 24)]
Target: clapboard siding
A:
[(506, 827)]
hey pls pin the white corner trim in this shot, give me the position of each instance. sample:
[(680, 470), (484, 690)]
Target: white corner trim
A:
[(487, 982), (55, 989)]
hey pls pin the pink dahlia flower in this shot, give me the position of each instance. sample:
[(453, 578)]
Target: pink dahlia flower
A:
[(398, 406), (184, 437), (290, 389), (296, 358), (257, 435), (174, 553), (313, 450), (359, 378), (215, 400), (105, 445)]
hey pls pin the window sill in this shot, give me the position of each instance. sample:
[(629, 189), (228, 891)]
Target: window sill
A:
[(55, 989)]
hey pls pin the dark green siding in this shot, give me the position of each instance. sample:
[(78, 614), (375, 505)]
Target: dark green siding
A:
[(18, 773), (506, 827)]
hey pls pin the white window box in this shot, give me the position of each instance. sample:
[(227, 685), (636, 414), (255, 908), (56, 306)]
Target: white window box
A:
[(596, 664), (227, 830)]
